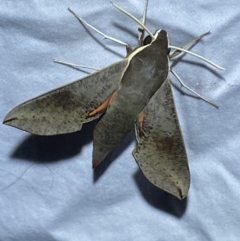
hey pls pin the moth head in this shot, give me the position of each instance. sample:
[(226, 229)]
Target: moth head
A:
[(147, 40), (159, 34)]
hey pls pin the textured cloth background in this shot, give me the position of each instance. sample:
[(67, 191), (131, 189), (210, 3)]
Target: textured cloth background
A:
[(48, 188)]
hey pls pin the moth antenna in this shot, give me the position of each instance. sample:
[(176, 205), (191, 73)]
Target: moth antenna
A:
[(188, 45), (98, 31), (184, 85), (74, 65), (143, 20), (196, 55), (133, 18), (140, 29)]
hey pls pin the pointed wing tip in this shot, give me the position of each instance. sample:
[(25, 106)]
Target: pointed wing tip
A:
[(182, 194), (95, 163), (179, 194), (10, 116), (8, 119), (4, 121), (15, 122)]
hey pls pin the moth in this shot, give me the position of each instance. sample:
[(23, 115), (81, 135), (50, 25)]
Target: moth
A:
[(132, 93)]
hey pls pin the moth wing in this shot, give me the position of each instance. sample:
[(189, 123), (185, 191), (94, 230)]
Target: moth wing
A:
[(65, 109), (160, 152)]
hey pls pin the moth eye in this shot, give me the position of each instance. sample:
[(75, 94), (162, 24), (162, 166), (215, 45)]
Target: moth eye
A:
[(147, 40)]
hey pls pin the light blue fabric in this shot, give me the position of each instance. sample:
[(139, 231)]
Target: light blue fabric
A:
[(48, 189)]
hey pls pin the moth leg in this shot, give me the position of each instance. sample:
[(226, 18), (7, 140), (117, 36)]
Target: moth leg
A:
[(139, 132), (196, 55), (188, 45), (98, 31), (140, 121), (141, 29), (76, 66), (103, 106), (134, 19), (184, 85)]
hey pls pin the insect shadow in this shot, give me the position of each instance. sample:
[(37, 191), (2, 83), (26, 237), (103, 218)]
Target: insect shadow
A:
[(158, 198), (128, 139), (47, 149)]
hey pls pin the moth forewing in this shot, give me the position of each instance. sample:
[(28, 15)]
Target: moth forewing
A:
[(160, 152), (65, 109), (146, 71)]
